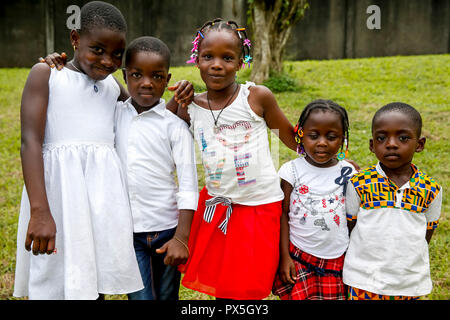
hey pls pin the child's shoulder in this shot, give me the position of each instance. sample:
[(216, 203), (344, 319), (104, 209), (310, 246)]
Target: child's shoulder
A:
[(257, 90), (40, 70), (425, 181), (366, 173), (174, 120)]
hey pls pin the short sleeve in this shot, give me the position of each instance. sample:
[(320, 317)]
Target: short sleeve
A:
[(434, 212), (352, 202), (285, 173)]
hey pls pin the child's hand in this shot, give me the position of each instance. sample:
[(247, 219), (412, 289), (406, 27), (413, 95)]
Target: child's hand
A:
[(288, 273), (184, 92), (176, 253), (41, 233), (55, 59)]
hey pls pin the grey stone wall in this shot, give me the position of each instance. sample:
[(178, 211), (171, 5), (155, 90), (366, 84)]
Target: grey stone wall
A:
[(331, 29)]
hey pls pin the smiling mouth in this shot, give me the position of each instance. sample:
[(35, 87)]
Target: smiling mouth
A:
[(105, 70)]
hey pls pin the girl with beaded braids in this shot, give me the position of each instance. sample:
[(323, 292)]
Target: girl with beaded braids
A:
[(314, 234), (234, 240)]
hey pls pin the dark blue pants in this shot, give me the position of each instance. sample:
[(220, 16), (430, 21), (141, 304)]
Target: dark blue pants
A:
[(161, 282)]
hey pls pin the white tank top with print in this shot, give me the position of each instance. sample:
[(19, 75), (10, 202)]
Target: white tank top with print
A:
[(235, 154)]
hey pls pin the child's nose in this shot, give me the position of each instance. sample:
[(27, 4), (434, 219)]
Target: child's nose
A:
[(321, 141), (216, 64), (146, 82), (391, 142), (107, 61)]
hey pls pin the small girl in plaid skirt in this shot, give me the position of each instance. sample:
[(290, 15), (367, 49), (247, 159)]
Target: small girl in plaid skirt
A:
[(314, 234)]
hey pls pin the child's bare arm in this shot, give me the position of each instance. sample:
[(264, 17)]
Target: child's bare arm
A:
[(124, 95), (287, 270), (429, 234), (41, 231), (264, 104)]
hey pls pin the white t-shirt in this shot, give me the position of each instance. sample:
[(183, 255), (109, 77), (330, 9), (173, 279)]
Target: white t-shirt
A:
[(317, 220), (388, 252)]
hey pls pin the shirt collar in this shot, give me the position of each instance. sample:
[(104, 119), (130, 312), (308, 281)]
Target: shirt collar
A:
[(413, 181), (160, 108)]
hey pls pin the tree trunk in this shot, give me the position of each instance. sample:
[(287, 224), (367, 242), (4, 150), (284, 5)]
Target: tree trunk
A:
[(272, 23), (261, 32)]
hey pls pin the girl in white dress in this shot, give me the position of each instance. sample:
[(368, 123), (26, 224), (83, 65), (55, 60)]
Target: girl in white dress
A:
[(75, 216)]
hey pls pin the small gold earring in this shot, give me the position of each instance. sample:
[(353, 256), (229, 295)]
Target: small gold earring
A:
[(74, 48)]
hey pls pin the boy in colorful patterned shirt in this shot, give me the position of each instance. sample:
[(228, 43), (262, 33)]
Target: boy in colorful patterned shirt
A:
[(392, 211)]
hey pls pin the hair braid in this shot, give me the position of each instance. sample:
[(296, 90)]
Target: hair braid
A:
[(220, 24)]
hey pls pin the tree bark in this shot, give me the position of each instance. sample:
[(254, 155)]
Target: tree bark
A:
[(272, 23)]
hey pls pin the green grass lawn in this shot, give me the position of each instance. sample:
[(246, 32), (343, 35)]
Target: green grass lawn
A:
[(360, 85)]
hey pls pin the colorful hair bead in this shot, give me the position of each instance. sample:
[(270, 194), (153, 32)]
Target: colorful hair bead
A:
[(218, 24)]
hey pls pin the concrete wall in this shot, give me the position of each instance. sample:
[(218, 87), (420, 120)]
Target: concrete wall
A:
[(331, 29), (335, 29)]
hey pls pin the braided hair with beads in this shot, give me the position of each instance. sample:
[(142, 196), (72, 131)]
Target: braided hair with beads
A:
[(324, 105), (220, 24)]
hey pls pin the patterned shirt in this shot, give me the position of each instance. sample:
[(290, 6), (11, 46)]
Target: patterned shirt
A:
[(388, 252)]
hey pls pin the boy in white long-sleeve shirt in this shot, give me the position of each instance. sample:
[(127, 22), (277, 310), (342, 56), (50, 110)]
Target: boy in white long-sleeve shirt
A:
[(152, 143)]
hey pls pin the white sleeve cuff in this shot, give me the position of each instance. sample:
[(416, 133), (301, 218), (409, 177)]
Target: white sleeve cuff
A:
[(187, 200)]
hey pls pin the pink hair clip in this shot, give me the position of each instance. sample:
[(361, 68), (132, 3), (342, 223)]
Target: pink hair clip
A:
[(247, 43)]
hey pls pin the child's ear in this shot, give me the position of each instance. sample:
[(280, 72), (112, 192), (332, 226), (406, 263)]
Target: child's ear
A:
[(241, 64), (196, 62), (169, 76), (421, 144), (124, 74), (74, 38), (371, 146)]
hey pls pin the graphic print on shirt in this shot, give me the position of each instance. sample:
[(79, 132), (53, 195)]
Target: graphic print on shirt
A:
[(316, 206), (216, 175), (234, 137), (344, 177)]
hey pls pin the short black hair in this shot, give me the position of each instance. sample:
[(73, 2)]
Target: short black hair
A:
[(403, 108), (148, 44), (99, 14)]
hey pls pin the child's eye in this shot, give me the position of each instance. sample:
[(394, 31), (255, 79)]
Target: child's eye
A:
[(228, 58), (118, 55), (331, 137), (313, 135), (380, 138), (403, 138), (98, 50), (136, 75), (157, 76)]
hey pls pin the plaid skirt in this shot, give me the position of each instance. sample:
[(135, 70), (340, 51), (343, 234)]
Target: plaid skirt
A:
[(318, 279)]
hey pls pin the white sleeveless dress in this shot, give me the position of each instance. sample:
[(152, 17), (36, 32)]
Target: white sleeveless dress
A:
[(85, 190)]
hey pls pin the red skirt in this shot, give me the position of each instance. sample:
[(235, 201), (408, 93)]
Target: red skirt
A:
[(318, 279), (239, 263)]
